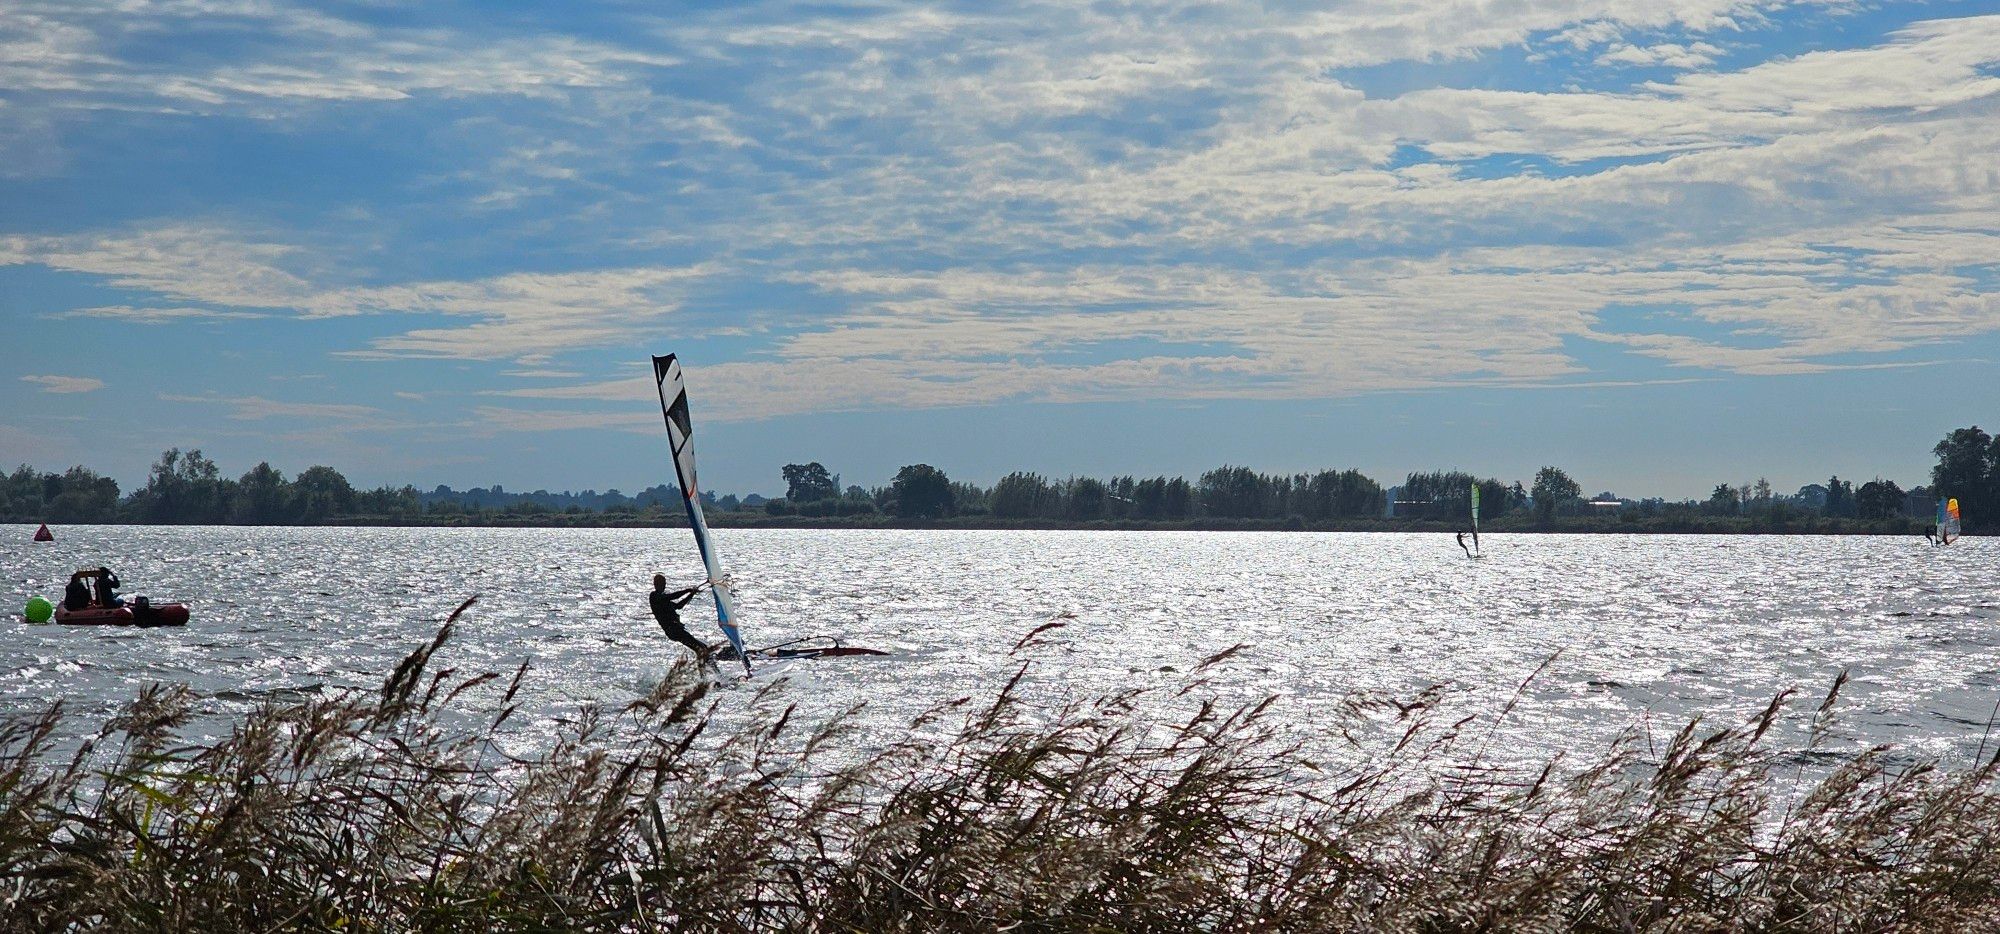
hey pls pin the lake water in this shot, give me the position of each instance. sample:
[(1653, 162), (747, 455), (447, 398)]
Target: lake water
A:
[(1650, 629)]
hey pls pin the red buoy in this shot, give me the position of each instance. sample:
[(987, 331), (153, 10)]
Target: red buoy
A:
[(43, 534)]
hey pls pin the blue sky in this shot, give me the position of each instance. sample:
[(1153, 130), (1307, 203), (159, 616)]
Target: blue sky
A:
[(1661, 243)]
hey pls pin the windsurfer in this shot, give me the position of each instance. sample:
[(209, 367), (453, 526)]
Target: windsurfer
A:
[(1930, 534), (1461, 544), (667, 609)]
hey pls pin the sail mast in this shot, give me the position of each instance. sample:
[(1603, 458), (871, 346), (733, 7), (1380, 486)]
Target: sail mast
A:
[(680, 432), (1475, 517)]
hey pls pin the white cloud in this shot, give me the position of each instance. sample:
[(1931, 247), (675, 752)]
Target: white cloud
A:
[(139, 315), (181, 262), (1669, 54), (1795, 304), (77, 53), (65, 384), (258, 408), (523, 316), (1252, 222)]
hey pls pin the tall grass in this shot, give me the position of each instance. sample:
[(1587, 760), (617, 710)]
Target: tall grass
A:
[(401, 810)]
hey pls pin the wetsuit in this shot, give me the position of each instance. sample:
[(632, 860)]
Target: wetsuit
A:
[(76, 596), (107, 590), (667, 609), (1461, 544)]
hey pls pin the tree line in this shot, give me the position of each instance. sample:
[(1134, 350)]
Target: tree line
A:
[(185, 487)]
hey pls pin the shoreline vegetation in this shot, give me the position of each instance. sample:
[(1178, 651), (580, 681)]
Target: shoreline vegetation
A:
[(1733, 525), (1152, 809), (186, 488)]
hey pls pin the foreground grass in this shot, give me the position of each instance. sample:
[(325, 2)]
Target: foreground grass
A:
[(395, 811)]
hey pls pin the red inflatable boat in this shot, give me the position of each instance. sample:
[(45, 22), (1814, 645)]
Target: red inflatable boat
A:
[(131, 614)]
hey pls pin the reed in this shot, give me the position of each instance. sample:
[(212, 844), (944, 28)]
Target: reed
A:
[(402, 810)]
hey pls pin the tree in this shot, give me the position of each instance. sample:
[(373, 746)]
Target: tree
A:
[(809, 483), (1839, 497), (1878, 499), (1811, 496), (183, 488), (1966, 468), (1964, 463), (1234, 492), (24, 492), (80, 495), (1553, 488), (1021, 495), (322, 492), (389, 501), (968, 499), (1085, 499), (921, 491), (1724, 501), (262, 497), (1344, 494), (1149, 498)]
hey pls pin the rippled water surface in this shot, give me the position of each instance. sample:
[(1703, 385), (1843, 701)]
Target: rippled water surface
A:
[(1649, 629)]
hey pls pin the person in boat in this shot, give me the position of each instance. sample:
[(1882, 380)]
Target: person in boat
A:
[(1462, 545), (76, 596), (107, 589), (667, 610)]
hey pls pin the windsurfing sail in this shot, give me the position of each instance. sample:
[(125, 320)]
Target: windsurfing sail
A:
[(680, 432), (1475, 518), (1947, 520)]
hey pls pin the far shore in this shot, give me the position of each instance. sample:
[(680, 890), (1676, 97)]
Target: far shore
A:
[(1594, 525)]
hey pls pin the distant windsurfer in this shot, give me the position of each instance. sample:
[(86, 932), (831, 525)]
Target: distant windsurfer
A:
[(667, 609), (1462, 545), (1930, 534)]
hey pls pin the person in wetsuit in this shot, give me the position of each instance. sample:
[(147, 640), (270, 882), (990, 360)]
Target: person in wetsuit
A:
[(667, 609), (107, 589), (1930, 534), (1461, 544), (76, 596)]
